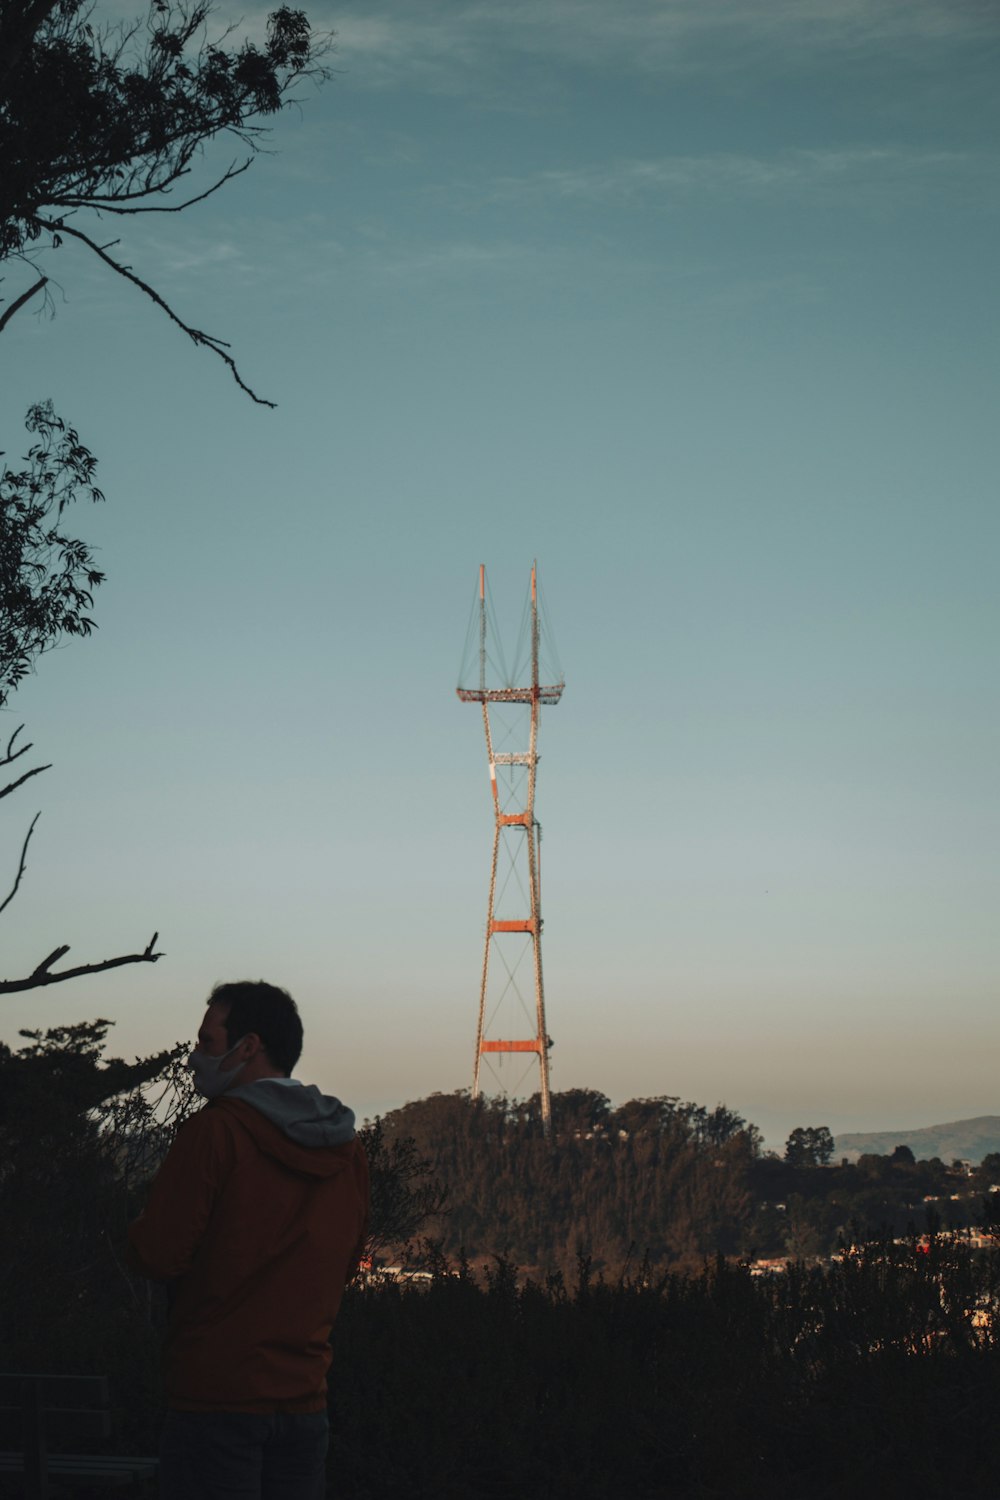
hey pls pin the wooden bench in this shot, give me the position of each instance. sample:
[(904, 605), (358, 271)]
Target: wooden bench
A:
[(42, 1411)]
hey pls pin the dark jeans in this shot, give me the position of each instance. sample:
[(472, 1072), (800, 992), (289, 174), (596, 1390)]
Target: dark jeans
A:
[(240, 1456)]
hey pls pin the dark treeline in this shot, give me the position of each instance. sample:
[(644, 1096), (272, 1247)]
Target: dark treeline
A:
[(657, 1179), (874, 1377)]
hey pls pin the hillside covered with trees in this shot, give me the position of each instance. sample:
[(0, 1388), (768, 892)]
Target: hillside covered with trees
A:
[(971, 1140), (660, 1180)]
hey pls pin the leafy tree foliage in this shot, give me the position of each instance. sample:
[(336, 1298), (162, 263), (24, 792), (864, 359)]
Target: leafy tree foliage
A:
[(405, 1193), (810, 1147), (656, 1176), (79, 1134), (46, 576), (107, 120), (988, 1174)]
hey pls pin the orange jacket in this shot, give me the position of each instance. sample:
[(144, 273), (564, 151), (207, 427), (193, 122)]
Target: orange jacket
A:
[(259, 1234)]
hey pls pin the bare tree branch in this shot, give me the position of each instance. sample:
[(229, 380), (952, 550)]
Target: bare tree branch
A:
[(19, 302), (107, 205), (206, 340), (12, 786), (110, 119), (10, 754), (20, 868), (42, 975), (53, 958)]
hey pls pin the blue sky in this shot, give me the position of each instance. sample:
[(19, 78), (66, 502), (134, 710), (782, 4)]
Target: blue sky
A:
[(696, 304)]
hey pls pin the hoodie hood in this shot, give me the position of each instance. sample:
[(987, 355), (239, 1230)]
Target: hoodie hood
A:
[(299, 1110)]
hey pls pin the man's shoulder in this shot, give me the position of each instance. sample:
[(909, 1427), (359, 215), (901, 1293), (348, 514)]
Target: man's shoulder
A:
[(206, 1126), (304, 1150)]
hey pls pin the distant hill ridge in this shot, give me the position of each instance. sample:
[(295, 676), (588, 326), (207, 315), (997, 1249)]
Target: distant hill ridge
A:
[(962, 1140)]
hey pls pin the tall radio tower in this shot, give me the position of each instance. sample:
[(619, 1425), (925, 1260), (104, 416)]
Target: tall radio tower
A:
[(515, 875)]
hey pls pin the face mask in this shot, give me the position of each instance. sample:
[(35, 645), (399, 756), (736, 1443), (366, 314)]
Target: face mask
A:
[(209, 1081)]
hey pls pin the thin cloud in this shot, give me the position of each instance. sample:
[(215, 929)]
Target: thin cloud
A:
[(448, 262), (798, 170), (454, 46), (453, 43), (217, 256)]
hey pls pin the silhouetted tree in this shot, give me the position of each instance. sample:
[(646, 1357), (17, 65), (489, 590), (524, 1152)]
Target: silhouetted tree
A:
[(78, 1136), (810, 1147), (642, 1116), (46, 579), (722, 1124), (988, 1172), (579, 1111), (665, 1182), (405, 1193), (107, 119), (46, 576)]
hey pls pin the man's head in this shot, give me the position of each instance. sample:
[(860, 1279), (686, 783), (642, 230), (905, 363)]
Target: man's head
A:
[(253, 1029)]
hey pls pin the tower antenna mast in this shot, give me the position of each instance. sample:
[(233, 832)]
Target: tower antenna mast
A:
[(516, 857)]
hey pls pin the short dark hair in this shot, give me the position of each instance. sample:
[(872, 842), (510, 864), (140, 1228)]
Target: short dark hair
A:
[(266, 1010)]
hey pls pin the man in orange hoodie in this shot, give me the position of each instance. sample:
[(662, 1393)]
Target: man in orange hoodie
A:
[(256, 1219)]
